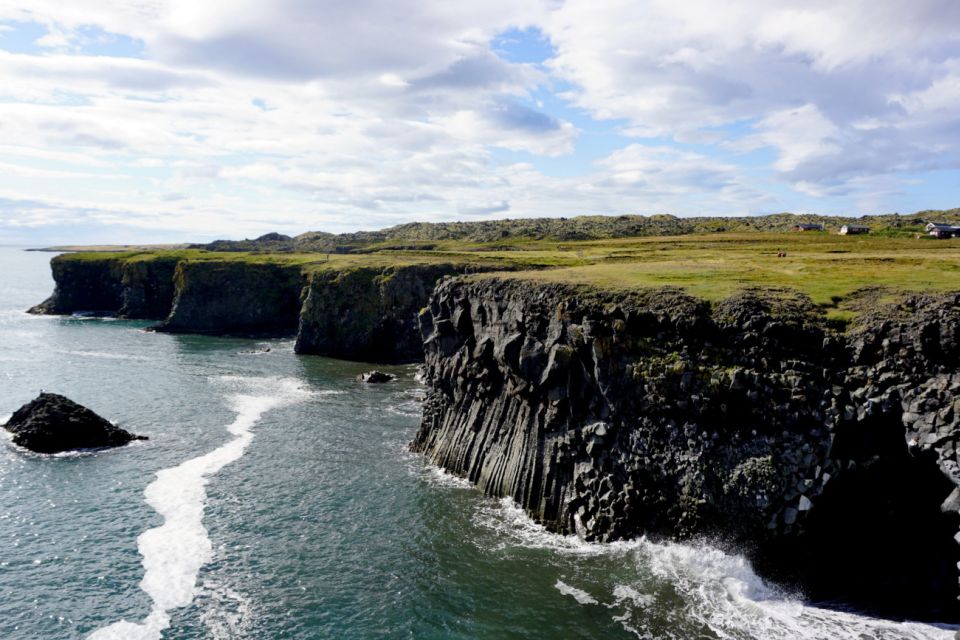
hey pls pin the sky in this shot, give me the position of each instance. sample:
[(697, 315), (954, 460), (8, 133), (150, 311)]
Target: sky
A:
[(173, 120)]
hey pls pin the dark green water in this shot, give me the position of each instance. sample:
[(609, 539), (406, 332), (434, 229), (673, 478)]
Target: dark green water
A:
[(291, 509)]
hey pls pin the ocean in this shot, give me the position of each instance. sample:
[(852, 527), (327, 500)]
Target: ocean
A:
[(276, 498)]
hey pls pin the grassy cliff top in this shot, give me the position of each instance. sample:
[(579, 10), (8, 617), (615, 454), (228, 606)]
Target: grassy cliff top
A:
[(826, 266), (534, 258)]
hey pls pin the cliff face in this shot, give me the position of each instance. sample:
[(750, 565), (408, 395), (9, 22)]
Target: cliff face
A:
[(147, 289), (84, 285), (368, 314), (113, 285), (360, 313), (827, 457), (235, 297), (830, 458)]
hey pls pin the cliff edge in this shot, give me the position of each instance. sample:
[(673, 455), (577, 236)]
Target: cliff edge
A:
[(361, 309)]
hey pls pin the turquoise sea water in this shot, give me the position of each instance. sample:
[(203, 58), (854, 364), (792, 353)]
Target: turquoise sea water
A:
[(276, 499)]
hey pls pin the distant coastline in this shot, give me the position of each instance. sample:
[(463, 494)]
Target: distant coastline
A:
[(506, 233), (109, 248)]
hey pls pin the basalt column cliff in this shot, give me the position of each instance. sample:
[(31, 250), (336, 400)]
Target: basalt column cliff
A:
[(829, 458)]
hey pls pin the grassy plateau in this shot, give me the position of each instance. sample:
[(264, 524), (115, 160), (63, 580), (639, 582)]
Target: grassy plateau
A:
[(710, 264)]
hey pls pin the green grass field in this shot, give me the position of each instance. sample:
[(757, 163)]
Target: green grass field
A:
[(827, 267), (824, 266)]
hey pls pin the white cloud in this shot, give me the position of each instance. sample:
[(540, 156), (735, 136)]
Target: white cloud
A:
[(801, 135), (247, 115), (382, 120), (806, 75)]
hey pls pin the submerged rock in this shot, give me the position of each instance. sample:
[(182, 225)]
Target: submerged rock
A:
[(53, 423), (375, 377)]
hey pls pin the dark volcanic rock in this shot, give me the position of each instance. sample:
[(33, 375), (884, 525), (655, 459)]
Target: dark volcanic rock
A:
[(53, 423), (832, 459), (235, 297), (84, 285), (109, 285), (358, 313), (375, 377), (368, 314)]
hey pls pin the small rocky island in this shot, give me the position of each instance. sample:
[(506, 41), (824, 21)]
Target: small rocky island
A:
[(52, 423)]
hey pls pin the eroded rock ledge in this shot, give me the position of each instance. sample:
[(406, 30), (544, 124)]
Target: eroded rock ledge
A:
[(831, 459)]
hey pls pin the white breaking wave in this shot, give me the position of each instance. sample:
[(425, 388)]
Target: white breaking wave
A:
[(579, 595), (516, 528), (443, 478), (174, 552), (728, 597), (719, 590)]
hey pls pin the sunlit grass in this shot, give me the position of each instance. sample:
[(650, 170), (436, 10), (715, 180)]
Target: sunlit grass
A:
[(824, 266)]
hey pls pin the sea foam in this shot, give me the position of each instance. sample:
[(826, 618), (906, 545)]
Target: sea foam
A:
[(720, 590), (174, 552), (579, 595)]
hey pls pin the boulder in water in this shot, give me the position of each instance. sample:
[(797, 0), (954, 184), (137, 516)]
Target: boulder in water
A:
[(375, 377), (53, 423)]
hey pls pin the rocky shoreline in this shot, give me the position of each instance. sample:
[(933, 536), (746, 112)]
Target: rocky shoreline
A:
[(828, 456)]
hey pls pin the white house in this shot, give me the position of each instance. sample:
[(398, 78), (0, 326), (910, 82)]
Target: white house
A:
[(853, 229)]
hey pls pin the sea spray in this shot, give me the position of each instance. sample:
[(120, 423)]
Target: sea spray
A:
[(174, 552)]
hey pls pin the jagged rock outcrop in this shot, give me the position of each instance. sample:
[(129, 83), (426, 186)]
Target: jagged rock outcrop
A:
[(368, 314), (52, 423), (235, 297), (269, 242), (825, 456)]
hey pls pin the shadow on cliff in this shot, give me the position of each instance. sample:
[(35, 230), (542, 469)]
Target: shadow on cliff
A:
[(878, 540)]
